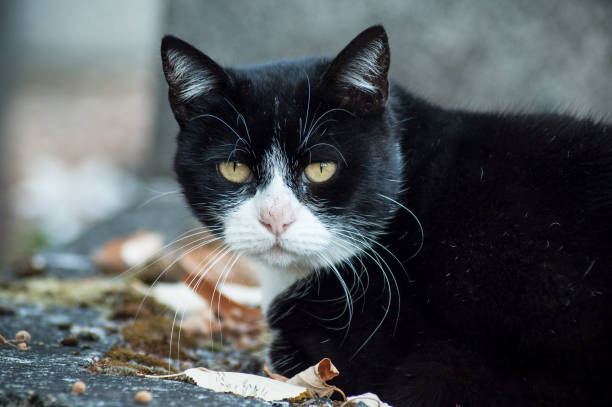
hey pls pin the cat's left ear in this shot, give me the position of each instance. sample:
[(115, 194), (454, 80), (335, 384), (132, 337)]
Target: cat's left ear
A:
[(191, 76), (358, 75)]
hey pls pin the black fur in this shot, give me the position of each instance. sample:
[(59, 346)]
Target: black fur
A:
[(505, 301)]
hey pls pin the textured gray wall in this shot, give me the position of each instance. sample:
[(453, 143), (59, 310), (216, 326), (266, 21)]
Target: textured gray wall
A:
[(478, 54), (6, 81)]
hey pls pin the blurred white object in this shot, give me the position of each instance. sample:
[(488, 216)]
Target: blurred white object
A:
[(65, 199), (243, 294), (141, 247), (178, 297), (369, 399)]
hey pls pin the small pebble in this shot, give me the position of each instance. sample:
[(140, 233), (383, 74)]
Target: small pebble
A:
[(22, 346), (23, 336), (70, 341), (88, 336), (6, 310), (143, 396), (78, 387)]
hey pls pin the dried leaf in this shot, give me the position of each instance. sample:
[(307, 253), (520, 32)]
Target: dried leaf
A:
[(128, 251), (326, 370), (244, 272), (236, 300), (145, 250), (225, 306), (196, 313), (176, 296), (314, 378), (246, 385)]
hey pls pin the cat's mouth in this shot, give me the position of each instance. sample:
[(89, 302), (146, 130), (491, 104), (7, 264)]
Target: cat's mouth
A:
[(277, 248), (278, 254)]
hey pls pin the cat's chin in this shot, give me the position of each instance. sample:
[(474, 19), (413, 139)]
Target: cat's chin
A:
[(282, 255), (278, 257)]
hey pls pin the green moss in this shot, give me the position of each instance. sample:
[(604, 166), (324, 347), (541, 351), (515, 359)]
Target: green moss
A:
[(129, 305), (152, 336), (119, 354), (127, 369), (121, 368), (307, 395)]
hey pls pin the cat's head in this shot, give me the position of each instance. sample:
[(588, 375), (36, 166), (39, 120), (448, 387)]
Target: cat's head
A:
[(292, 162)]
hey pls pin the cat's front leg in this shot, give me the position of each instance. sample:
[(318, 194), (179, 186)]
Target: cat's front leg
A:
[(433, 374)]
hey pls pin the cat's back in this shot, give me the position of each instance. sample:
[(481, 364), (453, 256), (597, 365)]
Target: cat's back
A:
[(507, 162), (517, 213), (554, 164)]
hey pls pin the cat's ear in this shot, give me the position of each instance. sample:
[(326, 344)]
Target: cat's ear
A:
[(190, 74), (358, 75)]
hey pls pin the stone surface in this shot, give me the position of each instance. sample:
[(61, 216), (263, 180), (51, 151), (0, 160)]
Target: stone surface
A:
[(44, 374)]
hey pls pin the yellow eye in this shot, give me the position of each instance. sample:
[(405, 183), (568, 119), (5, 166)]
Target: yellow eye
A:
[(320, 171), (234, 171)]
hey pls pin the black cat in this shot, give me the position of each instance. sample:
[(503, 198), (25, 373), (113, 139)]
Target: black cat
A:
[(438, 257)]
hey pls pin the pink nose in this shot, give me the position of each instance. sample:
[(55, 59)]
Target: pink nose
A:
[(276, 217)]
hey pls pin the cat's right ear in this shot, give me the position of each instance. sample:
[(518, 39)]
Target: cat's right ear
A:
[(191, 75)]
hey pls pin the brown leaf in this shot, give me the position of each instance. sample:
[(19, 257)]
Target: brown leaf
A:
[(314, 378), (108, 257), (244, 272), (327, 370), (135, 249), (226, 307)]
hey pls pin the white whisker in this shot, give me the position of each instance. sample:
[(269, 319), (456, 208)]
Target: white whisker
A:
[(417, 221), (158, 196), (179, 258)]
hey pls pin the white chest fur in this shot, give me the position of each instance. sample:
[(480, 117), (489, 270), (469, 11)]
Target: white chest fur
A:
[(276, 280)]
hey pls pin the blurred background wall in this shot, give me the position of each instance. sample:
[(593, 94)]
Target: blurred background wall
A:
[(87, 122), (6, 80), (79, 118)]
